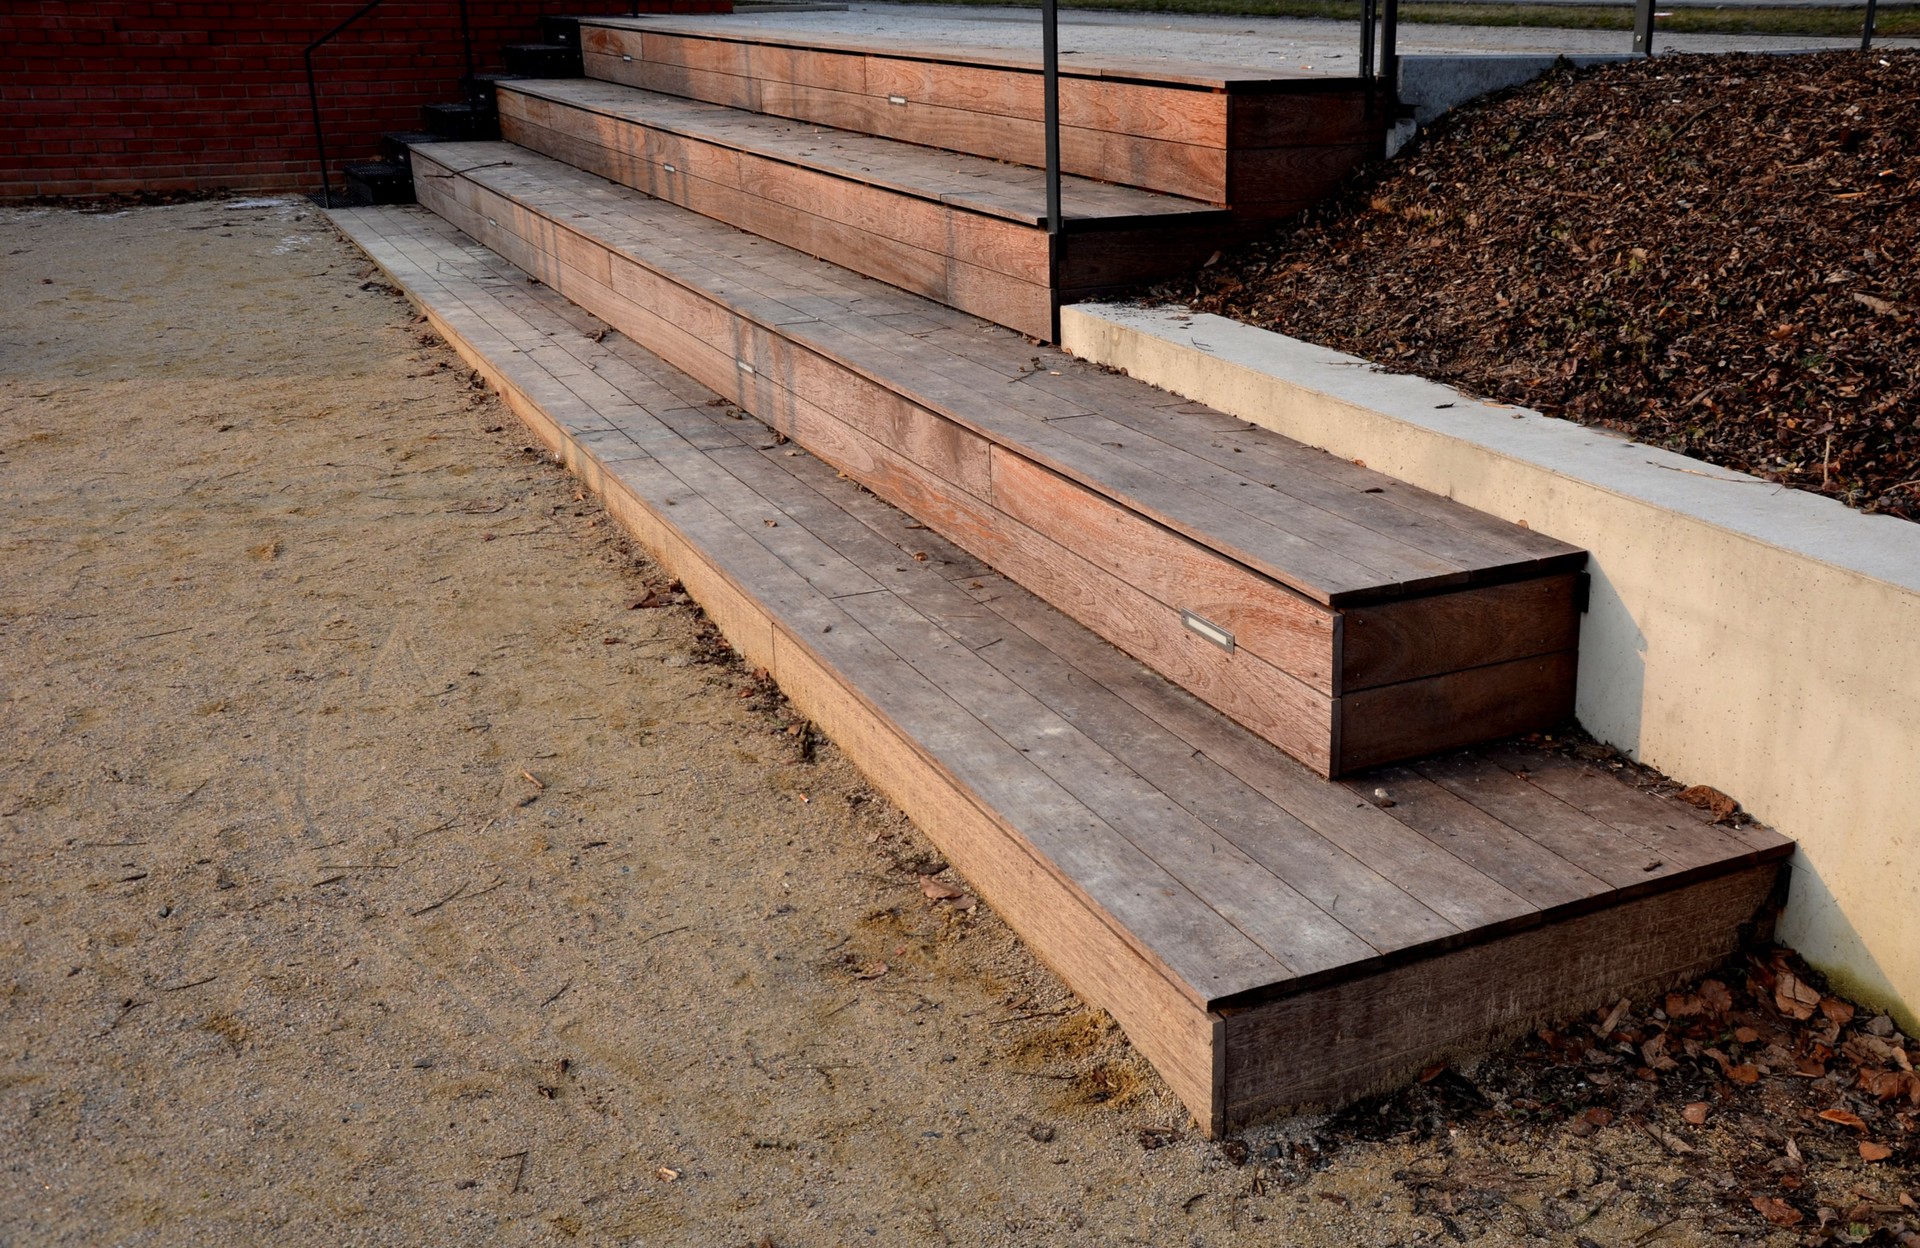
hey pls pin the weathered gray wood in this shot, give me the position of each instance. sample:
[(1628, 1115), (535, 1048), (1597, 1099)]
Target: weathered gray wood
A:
[(1324, 1047), (1163, 860)]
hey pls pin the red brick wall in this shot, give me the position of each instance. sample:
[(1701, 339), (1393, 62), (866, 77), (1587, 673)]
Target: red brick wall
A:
[(123, 95)]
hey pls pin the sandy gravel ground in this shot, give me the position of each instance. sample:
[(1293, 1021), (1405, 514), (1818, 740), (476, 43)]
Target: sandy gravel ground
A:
[(372, 872)]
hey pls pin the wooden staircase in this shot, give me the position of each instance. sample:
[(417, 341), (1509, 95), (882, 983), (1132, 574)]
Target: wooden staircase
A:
[(935, 526)]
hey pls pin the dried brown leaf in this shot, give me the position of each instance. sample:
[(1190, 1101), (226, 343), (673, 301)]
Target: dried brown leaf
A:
[(1845, 1118), (1778, 1211), (1706, 797), (1870, 1151), (1696, 1113), (937, 891), (1794, 998)]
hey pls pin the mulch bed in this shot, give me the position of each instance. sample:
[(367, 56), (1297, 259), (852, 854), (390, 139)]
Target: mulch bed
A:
[(1718, 255), (1788, 1109)]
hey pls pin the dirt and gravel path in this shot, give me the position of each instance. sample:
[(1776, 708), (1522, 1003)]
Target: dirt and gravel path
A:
[(373, 871)]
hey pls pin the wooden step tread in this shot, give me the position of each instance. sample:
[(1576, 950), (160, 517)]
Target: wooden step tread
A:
[(1196, 75), (1012, 192), (1266, 146), (1330, 531), (1171, 864)]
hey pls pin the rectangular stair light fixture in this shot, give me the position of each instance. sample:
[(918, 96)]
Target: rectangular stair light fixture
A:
[(626, 58), (1205, 629), (744, 367), (668, 168), (896, 99)]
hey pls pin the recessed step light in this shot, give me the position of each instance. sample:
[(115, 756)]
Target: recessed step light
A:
[(1205, 629)]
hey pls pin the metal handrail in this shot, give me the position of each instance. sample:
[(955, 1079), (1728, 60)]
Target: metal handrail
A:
[(1050, 106), (313, 87), (1385, 81)]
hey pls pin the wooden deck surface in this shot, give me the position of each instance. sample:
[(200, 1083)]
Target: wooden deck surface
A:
[(1175, 868), (1114, 501)]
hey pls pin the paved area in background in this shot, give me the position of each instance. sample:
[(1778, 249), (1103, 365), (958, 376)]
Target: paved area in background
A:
[(1271, 43)]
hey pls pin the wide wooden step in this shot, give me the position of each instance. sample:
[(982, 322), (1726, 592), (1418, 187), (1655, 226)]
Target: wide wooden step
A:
[(1267, 939), (1341, 615), (965, 231), (1268, 144)]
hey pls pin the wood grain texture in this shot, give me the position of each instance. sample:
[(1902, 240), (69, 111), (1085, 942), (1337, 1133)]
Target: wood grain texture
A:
[(1148, 128), (1090, 506), (1392, 722), (1326, 1047), (1395, 641), (1160, 859)]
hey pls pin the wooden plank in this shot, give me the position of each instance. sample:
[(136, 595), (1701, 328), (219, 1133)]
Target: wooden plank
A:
[(1189, 170), (1294, 932), (1656, 850), (1393, 641), (1016, 298), (1405, 550), (1306, 552), (1389, 723), (1291, 177), (1430, 521), (1530, 869), (1268, 119), (1368, 905), (977, 184), (1242, 686), (1176, 1035), (1291, 632), (1659, 821), (1321, 1048), (1451, 888)]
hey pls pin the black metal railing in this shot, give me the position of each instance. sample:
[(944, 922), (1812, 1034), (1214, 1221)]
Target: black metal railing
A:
[(1381, 76), (313, 86), (1050, 106)]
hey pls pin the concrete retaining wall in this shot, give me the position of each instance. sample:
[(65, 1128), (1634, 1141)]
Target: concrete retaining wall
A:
[(1762, 640)]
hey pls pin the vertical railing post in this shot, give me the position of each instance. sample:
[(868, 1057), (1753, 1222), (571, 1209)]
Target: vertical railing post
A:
[(1390, 55), (313, 95), (1643, 27), (1367, 11), (1866, 29), (319, 134), (1050, 108), (466, 39)]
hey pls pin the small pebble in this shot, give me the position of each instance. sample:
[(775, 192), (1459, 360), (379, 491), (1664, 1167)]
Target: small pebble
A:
[(423, 1063)]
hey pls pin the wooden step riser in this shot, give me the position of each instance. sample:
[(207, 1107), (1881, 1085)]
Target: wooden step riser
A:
[(1123, 576), (992, 267), (1320, 1050), (1264, 153)]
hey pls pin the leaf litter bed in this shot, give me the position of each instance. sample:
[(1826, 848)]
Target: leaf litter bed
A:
[(1779, 1111), (1716, 255), (1789, 1112)]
